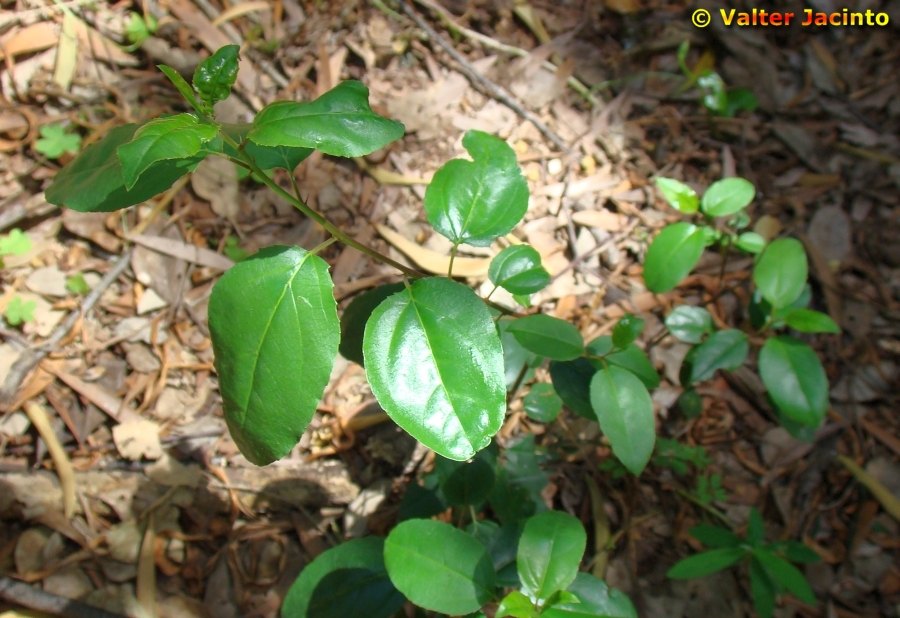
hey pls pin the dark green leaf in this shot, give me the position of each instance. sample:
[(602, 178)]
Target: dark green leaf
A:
[(785, 574), (724, 349), (515, 357), (477, 201), (550, 552), (343, 580), (690, 403), (809, 321), (518, 270), (548, 337), (353, 321), (727, 196), (339, 123), (689, 324), (542, 403), (419, 502), (715, 536), (626, 330), (274, 328), (762, 589), (798, 552), (215, 76), (795, 379), (706, 563), (780, 272), (635, 360), (469, 484), (435, 364), (625, 413), (572, 382), (181, 86), (672, 255), (597, 601), (679, 196), (520, 481), (756, 530), (502, 542), (439, 567), (751, 242), (271, 157)]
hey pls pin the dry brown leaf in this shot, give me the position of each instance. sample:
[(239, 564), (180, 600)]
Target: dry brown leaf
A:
[(432, 261), (36, 37), (138, 439), (182, 251), (215, 180), (239, 9), (600, 219), (66, 53), (102, 48)]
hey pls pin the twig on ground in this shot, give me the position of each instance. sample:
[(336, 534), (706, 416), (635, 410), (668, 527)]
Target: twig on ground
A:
[(27, 596)]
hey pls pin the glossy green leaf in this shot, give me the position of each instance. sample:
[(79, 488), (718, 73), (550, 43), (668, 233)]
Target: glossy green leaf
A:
[(548, 337), (271, 157), (550, 552), (672, 255), (355, 316), (679, 196), (469, 484), (689, 324), (435, 364), (762, 590), (175, 137), (181, 86), (727, 196), (342, 580), (626, 330), (715, 536), (517, 605), (631, 357), (785, 574), (810, 321), (706, 563), (274, 328), (598, 600), (477, 201), (751, 242), (542, 403), (339, 123), (439, 567), (625, 413), (518, 270), (795, 379), (93, 181), (780, 272), (215, 76), (724, 349), (572, 382)]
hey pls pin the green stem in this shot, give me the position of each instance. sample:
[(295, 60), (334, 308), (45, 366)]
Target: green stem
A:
[(452, 257)]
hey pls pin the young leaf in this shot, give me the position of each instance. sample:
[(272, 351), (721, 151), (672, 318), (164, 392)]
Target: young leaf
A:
[(435, 364), (724, 349), (477, 201), (810, 321), (215, 76), (626, 330), (439, 567), (780, 272), (19, 311), (672, 255), (16, 242), (338, 123), (762, 589), (93, 181), (76, 284), (518, 270), (679, 196), (689, 324), (550, 551), (625, 413), (715, 536), (469, 484), (175, 137), (572, 382), (183, 88), (597, 601), (795, 379), (55, 141), (751, 242), (353, 321), (548, 337), (517, 605), (542, 403), (274, 328), (786, 575), (727, 196), (342, 580), (706, 563)]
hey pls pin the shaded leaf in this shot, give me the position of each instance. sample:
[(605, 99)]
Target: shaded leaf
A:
[(724, 349), (715, 536), (355, 316), (689, 324), (795, 379), (469, 484), (785, 574), (542, 403), (706, 563), (572, 382), (548, 337), (625, 413), (598, 600)]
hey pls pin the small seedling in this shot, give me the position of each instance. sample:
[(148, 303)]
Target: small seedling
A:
[(56, 141), (139, 28), (19, 311), (76, 284), (717, 97)]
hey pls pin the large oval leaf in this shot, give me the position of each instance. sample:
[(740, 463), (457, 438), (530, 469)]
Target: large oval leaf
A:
[(625, 413), (795, 379), (435, 364), (781, 271), (598, 600), (339, 123), (550, 552), (274, 328), (439, 567), (548, 337), (477, 201), (672, 255), (344, 581), (572, 381), (518, 270), (727, 196), (353, 321), (724, 349)]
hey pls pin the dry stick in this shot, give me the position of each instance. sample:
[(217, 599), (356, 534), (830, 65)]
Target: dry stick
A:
[(31, 357), (23, 595), (38, 417)]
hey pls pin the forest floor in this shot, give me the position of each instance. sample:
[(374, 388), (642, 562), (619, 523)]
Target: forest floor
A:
[(160, 509)]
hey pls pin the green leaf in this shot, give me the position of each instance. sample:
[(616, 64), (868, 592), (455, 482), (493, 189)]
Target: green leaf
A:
[(572, 382), (516, 359), (176, 137), (690, 403), (271, 157), (518, 270), (470, 484), (679, 196), (343, 580), (439, 567), (706, 563), (55, 141), (353, 321), (715, 536), (181, 85), (727, 196), (630, 357), (338, 123), (77, 285), (798, 552), (762, 589), (795, 379), (672, 255), (435, 364), (625, 413), (542, 403), (785, 575), (550, 552), (756, 529), (724, 349), (689, 324), (19, 311), (502, 543), (215, 76), (517, 605), (810, 321), (751, 242), (274, 328), (93, 181), (626, 330), (597, 601), (477, 201), (548, 337), (16, 242), (780, 272)]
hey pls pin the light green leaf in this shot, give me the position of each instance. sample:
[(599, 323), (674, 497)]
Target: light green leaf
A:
[(518, 270), (625, 413), (795, 379), (751, 242), (672, 255), (679, 196), (724, 349), (727, 196), (810, 321), (550, 551), (16, 242), (548, 337), (706, 563), (55, 141), (517, 605), (689, 324), (780, 272), (76, 284), (435, 364), (19, 311), (274, 328)]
